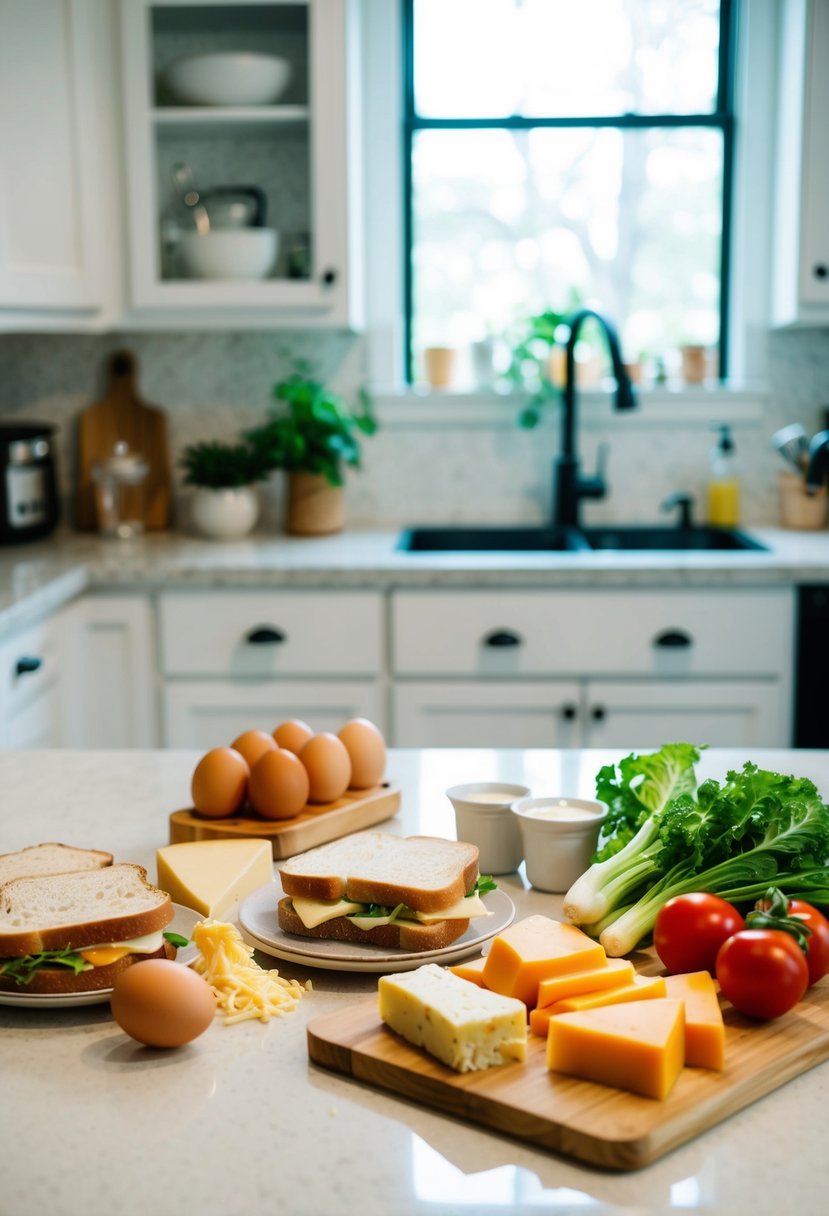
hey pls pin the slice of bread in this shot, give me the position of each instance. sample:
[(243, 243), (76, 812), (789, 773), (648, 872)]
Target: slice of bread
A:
[(426, 873), (62, 981), (86, 908), (51, 858), (408, 935)]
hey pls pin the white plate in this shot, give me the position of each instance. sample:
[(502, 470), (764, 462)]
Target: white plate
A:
[(257, 917), (182, 922)]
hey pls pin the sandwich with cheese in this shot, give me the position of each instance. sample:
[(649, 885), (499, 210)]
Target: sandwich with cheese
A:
[(413, 893), (77, 931), (51, 858)]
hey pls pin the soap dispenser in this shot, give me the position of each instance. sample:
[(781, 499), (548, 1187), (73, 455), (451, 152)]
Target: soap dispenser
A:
[(724, 482)]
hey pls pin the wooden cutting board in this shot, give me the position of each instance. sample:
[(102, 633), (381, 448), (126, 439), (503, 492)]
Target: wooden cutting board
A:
[(316, 824), (121, 416), (593, 1123)]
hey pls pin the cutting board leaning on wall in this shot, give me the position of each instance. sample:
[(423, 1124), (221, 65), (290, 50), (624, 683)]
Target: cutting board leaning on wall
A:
[(120, 416)]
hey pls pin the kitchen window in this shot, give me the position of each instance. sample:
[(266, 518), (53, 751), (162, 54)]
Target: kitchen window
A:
[(558, 155)]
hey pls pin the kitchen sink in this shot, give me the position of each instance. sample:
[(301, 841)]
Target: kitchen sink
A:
[(491, 540), (574, 540)]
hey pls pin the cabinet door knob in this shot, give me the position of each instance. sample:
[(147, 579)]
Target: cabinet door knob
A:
[(503, 637), (328, 277), (28, 663), (568, 712), (598, 713), (820, 270), (265, 635), (673, 639)]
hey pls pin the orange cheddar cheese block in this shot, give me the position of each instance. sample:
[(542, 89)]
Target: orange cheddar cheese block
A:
[(470, 969), (704, 1029), (615, 973), (637, 1047), (532, 950), (641, 988)]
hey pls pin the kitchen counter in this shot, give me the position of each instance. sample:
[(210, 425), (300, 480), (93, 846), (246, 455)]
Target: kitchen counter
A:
[(38, 578), (239, 1122)]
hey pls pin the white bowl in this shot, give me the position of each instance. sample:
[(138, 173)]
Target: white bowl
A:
[(230, 253), (483, 818), (231, 78), (560, 837)]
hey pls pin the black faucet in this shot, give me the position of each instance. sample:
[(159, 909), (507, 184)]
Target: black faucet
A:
[(570, 487)]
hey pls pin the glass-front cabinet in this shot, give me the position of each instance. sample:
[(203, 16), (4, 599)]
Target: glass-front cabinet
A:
[(241, 160)]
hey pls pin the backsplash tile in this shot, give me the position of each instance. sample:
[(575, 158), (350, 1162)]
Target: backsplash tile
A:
[(214, 384)]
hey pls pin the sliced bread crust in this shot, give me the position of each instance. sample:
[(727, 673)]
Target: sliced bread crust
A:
[(50, 858), (405, 935), (85, 908), (62, 981), (427, 873)]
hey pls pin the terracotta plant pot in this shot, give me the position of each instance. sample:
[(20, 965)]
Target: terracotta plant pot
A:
[(315, 507)]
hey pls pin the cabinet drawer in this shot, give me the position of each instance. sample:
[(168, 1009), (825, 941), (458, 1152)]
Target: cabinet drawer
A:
[(28, 667), (531, 633), (262, 634)]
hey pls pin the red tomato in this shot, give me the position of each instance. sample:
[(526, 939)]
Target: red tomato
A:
[(690, 929), (762, 972), (817, 957)]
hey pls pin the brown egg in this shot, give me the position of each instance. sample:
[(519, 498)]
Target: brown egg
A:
[(162, 1003), (367, 749), (279, 785), (293, 735), (220, 783), (329, 768), (252, 744)]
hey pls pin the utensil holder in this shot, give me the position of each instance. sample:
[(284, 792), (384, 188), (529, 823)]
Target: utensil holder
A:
[(799, 510)]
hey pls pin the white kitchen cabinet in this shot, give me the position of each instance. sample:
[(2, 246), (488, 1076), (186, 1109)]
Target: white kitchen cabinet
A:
[(800, 279), (110, 682), (592, 669), (301, 151), (59, 248), (30, 687), (232, 661)]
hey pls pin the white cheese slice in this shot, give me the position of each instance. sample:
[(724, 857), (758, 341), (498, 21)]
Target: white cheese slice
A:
[(464, 909), (211, 875), (148, 944), (461, 1024), (313, 912)]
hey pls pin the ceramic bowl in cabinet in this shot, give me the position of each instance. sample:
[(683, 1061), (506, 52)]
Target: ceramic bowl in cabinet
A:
[(230, 253), (559, 837), (229, 78)]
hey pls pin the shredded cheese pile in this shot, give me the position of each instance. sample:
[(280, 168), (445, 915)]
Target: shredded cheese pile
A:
[(242, 988)]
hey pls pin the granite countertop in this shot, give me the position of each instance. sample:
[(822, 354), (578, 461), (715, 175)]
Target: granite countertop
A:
[(38, 578), (240, 1122)]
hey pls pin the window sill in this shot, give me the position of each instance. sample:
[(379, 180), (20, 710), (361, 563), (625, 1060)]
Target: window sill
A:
[(656, 406)]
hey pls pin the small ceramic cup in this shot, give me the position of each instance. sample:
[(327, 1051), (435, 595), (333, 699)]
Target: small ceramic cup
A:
[(483, 818), (559, 838)]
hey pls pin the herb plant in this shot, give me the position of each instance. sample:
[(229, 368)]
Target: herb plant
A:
[(221, 466)]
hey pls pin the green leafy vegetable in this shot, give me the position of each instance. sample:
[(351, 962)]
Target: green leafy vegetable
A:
[(483, 883), (377, 911), (24, 969), (175, 939), (757, 829)]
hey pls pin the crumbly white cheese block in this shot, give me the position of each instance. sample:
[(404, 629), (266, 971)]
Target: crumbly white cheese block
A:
[(211, 875), (459, 1023), (314, 912)]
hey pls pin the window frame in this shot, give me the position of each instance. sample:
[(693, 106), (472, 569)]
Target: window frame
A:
[(721, 118)]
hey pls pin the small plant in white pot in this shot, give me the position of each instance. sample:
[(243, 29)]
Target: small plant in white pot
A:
[(225, 502)]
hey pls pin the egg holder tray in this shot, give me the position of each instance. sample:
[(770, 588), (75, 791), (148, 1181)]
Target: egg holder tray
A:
[(316, 824)]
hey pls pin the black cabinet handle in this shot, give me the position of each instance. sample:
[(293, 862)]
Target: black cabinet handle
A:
[(673, 639), (503, 637), (568, 712), (328, 277), (598, 713), (266, 635), (28, 664), (820, 270)]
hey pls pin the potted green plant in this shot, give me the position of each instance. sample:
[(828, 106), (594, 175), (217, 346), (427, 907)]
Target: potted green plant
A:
[(225, 504), (531, 368), (313, 435)]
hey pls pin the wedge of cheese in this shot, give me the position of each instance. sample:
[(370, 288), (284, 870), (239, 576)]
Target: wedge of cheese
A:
[(462, 1025), (704, 1029), (532, 950), (471, 970), (638, 1047), (211, 875), (641, 988), (613, 974)]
